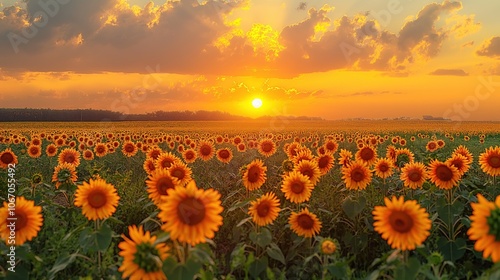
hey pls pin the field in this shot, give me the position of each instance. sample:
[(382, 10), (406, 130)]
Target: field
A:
[(228, 200)]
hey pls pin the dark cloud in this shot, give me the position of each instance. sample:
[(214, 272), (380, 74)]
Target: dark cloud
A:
[(95, 36), (490, 47), (449, 72), (302, 6), (468, 44)]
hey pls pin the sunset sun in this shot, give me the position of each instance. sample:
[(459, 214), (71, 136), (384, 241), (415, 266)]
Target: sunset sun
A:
[(257, 103)]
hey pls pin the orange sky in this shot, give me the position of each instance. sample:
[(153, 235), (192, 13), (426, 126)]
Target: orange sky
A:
[(382, 59)]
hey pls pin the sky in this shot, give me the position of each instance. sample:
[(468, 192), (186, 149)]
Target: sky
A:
[(329, 59)]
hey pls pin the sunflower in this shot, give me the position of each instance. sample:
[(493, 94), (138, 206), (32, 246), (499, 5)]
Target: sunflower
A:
[(153, 152), (291, 149), (26, 220), (191, 214), (485, 227), (297, 187), (464, 151), (356, 176), (51, 150), (34, 151), (403, 156), (384, 168), (165, 160), (254, 175), (129, 149), (490, 161), (327, 246), (331, 146), (88, 155), (366, 154), (224, 155), (97, 198), (302, 154), (265, 209), (142, 256), (310, 169), (100, 149), (189, 156), (414, 175), (325, 163), (266, 147), (443, 175), (181, 171), (241, 147), (64, 173), (404, 224), (7, 157), (440, 143), (149, 165), (345, 157), (460, 162), (69, 155), (391, 153), (304, 223), (206, 150), (431, 146), (158, 183)]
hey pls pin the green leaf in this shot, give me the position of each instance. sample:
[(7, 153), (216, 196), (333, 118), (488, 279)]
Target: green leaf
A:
[(447, 212), (353, 207), (103, 238), (242, 222), (338, 270), (262, 238), (275, 252), (257, 267), (408, 270), (452, 250), (238, 256), (238, 204), (61, 263)]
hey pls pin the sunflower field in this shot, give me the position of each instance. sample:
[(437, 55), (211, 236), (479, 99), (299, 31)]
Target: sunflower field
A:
[(251, 200)]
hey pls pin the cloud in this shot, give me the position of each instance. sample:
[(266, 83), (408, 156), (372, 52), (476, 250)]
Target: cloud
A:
[(490, 48), (187, 37), (302, 6), (468, 44), (449, 72), (368, 93)]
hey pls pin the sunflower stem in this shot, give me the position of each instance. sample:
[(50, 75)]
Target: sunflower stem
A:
[(97, 226)]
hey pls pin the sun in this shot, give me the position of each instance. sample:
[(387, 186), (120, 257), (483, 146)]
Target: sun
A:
[(257, 103)]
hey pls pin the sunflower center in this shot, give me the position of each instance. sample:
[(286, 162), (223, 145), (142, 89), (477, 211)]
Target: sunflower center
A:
[(253, 174), (191, 211), (357, 175), (400, 221), (414, 176), (146, 257), (22, 220), (189, 155), (383, 167), (307, 172), (166, 163), (163, 184), (69, 158), (305, 221), (263, 209), (224, 154), (129, 148), (51, 150), (494, 223), (267, 147), (323, 162), (494, 161), (7, 158), (444, 173), (432, 146), (100, 149), (297, 187), (458, 164), (330, 146), (97, 199), (178, 173), (367, 153), (205, 150)]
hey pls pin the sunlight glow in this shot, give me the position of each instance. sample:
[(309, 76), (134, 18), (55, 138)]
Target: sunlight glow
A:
[(257, 103)]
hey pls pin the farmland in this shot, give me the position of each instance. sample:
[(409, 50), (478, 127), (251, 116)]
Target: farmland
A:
[(273, 199)]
